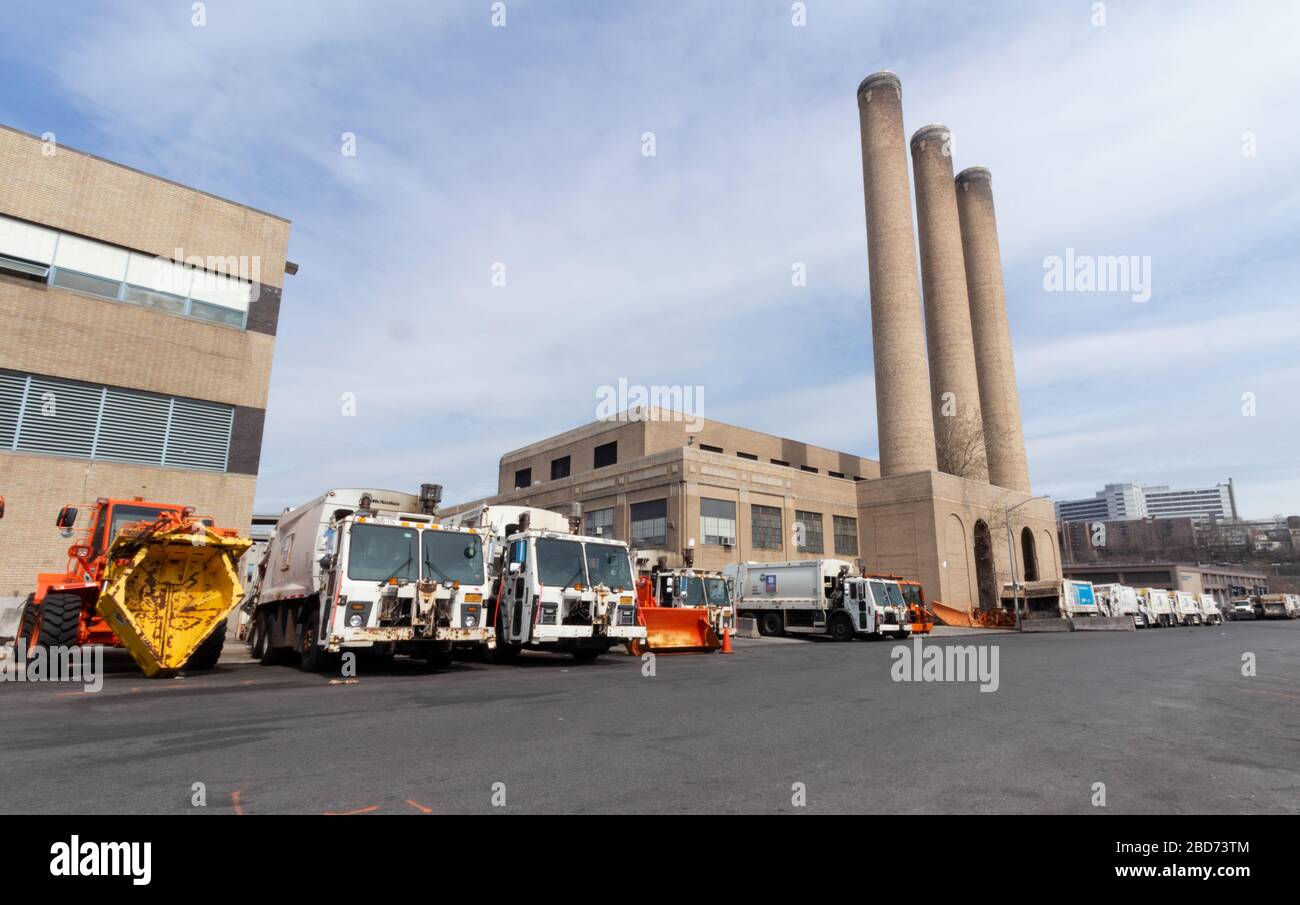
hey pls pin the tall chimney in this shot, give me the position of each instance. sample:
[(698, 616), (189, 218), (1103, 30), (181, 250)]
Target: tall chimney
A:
[(1004, 439), (897, 330), (954, 384)]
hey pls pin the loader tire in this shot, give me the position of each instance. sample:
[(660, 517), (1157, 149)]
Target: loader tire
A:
[(26, 625), (209, 651), (59, 618)]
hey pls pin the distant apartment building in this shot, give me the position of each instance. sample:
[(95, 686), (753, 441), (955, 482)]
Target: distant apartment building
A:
[(137, 330), (1117, 502)]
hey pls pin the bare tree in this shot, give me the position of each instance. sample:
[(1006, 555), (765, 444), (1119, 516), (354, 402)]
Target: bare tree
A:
[(959, 446)]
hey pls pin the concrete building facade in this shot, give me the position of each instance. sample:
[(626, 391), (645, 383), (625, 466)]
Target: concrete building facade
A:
[(137, 330)]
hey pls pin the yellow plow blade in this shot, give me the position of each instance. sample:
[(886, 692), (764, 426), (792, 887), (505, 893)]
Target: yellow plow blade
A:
[(678, 628), (166, 591)]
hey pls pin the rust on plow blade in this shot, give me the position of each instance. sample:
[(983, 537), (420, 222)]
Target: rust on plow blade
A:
[(167, 588)]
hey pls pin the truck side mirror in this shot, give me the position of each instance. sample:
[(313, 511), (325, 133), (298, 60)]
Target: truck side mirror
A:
[(67, 518), (515, 567), (326, 562)]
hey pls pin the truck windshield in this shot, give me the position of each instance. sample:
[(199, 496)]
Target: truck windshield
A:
[(451, 556), (381, 552), (912, 594), (887, 594), (715, 591), (559, 562), (608, 565), (121, 516)]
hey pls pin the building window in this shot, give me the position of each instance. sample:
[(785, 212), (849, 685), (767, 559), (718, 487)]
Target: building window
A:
[(650, 523), (750, 456), (559, 468), (846, 535), (765, 527), (812, 530), (808, 468), (780, 462), (599, 523), (605, 454), (836, 474), (106, 271), (707, 448), (523, 478), (718, 522), (84, 421)]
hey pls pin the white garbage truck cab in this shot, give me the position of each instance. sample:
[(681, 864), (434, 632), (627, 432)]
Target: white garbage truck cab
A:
[(553, 588), (818, 597), (369, 571), (1210, 614), (1187, 609)]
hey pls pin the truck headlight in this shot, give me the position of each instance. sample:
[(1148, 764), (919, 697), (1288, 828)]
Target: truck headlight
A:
[(355, 620)]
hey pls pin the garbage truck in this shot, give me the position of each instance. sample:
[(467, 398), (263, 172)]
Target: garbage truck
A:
[(371, 572), (818, 597), (151, 577), (1121, 600), (1158, 603), (554, 588), (1210, 614), (1187, 609)]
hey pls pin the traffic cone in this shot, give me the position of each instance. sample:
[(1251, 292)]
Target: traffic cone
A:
[(726, 641)]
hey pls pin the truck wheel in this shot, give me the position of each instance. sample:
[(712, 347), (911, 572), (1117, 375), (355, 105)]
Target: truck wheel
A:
[(438, 657), (312, 657), (209, 651), (270, 655), (771, 625), (256, 639), (58, 619), (841, 628), (586, 654)]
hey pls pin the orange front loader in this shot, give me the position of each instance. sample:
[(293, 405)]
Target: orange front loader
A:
[(150, 577), (682, 610)]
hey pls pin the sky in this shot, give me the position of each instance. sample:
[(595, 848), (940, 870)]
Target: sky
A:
[(1161, 131)]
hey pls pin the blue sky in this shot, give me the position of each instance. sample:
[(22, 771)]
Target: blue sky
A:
[(522, 145)]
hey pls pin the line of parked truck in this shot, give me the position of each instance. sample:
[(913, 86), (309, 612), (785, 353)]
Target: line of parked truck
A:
[(378, 572), (1157, 607)]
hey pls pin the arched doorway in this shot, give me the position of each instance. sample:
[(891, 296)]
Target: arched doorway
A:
[(1028, 554), (986, 573)]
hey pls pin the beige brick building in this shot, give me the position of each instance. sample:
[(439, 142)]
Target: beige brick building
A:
[(742, 495), (137, 330)]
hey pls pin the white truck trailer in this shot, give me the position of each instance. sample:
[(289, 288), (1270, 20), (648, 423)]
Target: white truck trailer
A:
[(1157, 601), (818, 597), (1210, 614), (368, 571), (1187, 609), (553, 588), (1273, 606)]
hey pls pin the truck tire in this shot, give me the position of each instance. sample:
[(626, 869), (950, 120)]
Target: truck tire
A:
[(841, 627), (59, 618), (311, 656), (771, 624), (209, 651), (269, 655), (438, 657), (256, 638), (586, 654)]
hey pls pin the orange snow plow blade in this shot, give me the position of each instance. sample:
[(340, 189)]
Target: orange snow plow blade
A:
[(678, 628), (952, 616)]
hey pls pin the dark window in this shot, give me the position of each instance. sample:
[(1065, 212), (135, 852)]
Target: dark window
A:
[(524, 477), (559, 468), (765, 527), (812, 530), (858, 478), (836, 474), (846, 535), (780, 462), (707, 448), (599, 523), (717, 521), (605, 454), (750, 456), (808, 468), (650, 523)]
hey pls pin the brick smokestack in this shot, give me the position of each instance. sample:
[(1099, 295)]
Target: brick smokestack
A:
[(1004, 438), (897, 329), (954, 383)]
